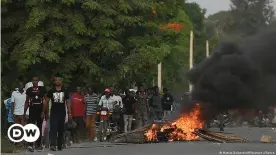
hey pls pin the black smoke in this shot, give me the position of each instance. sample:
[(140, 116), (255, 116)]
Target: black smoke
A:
[(238, 75)]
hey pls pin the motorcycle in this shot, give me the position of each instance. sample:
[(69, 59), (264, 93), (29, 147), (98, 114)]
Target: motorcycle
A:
[(262, 121), (105, 126), (227, 122)]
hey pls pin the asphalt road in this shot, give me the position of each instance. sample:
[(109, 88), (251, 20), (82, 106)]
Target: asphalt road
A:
[(179, 148)]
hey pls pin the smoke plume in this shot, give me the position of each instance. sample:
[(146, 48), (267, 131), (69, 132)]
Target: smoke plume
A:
[(238, 75)]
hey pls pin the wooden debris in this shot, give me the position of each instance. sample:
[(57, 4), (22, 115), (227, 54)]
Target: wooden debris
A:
[(218, 137), (137, 136)]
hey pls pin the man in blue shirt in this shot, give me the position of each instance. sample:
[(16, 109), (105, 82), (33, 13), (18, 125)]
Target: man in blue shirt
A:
[(8, 105)]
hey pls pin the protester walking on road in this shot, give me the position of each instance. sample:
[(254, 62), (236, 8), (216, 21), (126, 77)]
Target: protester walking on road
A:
[(78, 114), (34, 101), (167, 102), (156, 104), (60, 100), (18, 99), (91, 104), (129, 110), (142, 107)]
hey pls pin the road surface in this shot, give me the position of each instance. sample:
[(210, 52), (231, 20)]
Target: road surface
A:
[(179, 148)]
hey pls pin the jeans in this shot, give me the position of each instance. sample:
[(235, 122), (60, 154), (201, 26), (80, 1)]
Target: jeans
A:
[(156, 114), (167, 113), (127, 122), (80, 128), (142, 118), (46, 137), (35, 118), (56, 130)]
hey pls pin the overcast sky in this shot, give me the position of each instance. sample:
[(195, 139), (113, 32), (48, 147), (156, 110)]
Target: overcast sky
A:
[(214, 6)]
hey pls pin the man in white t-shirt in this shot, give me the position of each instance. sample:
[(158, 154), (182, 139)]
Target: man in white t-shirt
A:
[(18, 99), (118, 100)]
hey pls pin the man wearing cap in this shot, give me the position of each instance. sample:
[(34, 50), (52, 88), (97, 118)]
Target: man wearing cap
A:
[(60, 100), (107, 101)]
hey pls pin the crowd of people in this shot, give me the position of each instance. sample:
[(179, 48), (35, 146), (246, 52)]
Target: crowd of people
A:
[(56, 111)]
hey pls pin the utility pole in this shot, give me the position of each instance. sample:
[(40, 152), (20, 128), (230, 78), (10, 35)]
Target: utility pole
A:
[(207, 49), (160, 76), (191, 55)]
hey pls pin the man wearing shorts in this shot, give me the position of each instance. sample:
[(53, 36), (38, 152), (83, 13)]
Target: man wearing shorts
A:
[(91, 103)]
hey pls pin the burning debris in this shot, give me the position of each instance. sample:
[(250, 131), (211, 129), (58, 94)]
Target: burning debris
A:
[(180, 129), (188, 127)]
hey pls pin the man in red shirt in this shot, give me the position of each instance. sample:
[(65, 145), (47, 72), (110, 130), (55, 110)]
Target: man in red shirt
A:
[(78, 111)]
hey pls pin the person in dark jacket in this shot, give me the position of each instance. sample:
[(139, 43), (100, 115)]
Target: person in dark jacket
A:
[(142, 107), (156, 104), (167, 102)]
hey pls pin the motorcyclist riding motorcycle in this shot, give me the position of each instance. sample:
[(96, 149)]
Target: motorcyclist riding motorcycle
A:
[(106, 108)]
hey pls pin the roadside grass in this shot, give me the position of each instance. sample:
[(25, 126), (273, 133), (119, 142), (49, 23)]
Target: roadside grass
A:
[(8, 147)]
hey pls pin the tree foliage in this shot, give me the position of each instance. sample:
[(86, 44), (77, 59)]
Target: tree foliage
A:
[(91, 42), (247, 17), (197, 16), (244, 19)]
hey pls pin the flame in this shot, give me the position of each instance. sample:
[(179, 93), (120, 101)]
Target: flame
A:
[(180, 129)]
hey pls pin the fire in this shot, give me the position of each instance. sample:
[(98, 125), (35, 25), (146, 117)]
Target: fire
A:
[(180, 129)]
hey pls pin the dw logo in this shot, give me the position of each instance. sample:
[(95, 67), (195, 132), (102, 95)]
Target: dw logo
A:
[(29, 133)]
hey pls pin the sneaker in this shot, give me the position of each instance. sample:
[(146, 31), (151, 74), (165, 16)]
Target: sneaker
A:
[(30, 148), (95, 139), (53, 148), (104, 138), (40, 148)]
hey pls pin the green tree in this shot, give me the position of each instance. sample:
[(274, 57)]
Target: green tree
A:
[(215, 27), (197, 17), (249, 16), (176, 63), (90, 42)]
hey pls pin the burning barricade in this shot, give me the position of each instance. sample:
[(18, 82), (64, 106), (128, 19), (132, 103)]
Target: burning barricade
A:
[(180, 129), (188, 127)]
